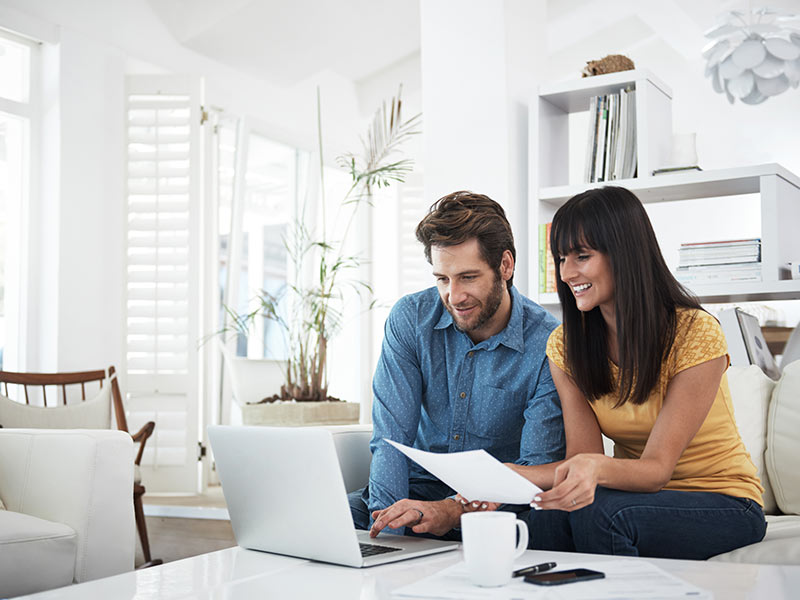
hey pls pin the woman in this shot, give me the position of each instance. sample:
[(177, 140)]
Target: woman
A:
[(638, 360)]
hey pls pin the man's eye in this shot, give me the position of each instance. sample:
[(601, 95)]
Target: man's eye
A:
[(468, 277), (441, 279)]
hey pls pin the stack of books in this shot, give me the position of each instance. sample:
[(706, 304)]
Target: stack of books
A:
[(547, 266), (720, 262), (611, 148)]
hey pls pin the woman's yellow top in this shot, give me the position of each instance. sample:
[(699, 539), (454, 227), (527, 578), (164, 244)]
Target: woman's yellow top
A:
[(715, 459)]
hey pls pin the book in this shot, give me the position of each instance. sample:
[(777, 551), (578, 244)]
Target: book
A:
[(744, 242), (611, 135), (622, 133), (630, 161), (591, 148), (542, 258), (550, 277), (602, 126), (719, 273)]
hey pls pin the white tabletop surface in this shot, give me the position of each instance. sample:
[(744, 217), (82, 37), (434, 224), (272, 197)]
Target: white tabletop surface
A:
[(238, 574)]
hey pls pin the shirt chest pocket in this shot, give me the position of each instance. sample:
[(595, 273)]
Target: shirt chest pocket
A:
[(496, 413)]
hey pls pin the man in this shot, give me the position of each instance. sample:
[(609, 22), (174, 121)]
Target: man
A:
[(462, 367)]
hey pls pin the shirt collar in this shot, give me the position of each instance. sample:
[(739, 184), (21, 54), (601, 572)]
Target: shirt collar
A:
[(511, 336)]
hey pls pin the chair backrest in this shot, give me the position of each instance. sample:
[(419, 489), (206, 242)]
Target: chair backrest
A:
[(61, 400)]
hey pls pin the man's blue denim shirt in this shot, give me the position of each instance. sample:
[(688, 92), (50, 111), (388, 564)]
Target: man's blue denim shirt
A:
[(437, 391)]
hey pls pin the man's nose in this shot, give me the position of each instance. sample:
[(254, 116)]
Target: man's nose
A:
[(457, 293)]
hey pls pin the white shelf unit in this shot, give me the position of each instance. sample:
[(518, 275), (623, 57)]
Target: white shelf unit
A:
[(549, 188)]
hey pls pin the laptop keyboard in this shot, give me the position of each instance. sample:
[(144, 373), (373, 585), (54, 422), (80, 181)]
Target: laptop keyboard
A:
[(373, 549)]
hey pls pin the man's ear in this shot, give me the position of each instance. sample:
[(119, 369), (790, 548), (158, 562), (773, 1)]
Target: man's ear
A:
[(507, 265)]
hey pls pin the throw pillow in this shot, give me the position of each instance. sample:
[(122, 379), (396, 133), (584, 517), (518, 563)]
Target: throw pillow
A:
[(90, 414), (751, 391), (783, 442)]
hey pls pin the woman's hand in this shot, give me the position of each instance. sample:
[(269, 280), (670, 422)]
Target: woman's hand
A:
[(476, 505), (574, 484)]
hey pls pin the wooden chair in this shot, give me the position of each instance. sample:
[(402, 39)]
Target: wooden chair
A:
[(36, 385)]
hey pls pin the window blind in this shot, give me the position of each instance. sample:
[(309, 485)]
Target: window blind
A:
[(162, 271)]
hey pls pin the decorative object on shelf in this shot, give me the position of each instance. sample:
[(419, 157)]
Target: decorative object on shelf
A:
[(683, 155), (316, 294), (612, 63), (754, 54), (665, 170)]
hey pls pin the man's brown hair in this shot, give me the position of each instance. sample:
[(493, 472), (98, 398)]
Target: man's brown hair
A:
[(461, 216)]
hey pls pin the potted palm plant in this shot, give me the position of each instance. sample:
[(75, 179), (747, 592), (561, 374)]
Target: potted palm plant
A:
[(323, 272)]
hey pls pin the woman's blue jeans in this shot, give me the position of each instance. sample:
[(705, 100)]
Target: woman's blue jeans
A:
[(665, 524)]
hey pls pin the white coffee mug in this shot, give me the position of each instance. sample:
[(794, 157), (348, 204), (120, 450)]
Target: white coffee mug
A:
[(490, 546)]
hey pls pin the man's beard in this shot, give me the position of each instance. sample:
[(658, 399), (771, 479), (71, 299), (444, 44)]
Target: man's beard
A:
[(489, 307)]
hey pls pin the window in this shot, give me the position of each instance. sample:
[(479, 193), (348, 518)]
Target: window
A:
[(253, 226), (16, 111)]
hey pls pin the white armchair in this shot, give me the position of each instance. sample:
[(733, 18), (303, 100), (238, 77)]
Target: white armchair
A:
[(69, 509)]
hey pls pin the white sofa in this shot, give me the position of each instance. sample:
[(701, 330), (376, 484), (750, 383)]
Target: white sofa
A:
[(768, 415), (68, 507)]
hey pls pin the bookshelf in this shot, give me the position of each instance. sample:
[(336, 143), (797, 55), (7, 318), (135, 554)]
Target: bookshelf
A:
[(778, 189)]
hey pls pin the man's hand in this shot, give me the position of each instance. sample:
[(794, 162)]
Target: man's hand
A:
[(436, 517)]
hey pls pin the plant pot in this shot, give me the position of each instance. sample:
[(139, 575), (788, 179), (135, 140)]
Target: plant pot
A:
[(297, 414)]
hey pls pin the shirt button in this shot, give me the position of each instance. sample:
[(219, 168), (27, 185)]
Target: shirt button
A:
[(463, 394), (456, 437), (470, 354)]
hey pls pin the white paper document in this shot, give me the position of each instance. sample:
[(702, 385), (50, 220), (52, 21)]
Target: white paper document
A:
[(474, 474), (634, 579)]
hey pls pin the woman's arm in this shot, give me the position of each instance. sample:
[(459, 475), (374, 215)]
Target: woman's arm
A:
[(580, 428), (689, 397)]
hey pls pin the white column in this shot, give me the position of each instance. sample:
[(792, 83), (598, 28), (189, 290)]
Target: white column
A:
[(481, 62)]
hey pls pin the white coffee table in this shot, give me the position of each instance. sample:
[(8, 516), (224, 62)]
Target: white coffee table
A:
[(235, 573)]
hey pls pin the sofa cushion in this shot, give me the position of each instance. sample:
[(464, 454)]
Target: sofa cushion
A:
[(26, 542), (783, 441), (751, 391), (94, 413), (780, 545)]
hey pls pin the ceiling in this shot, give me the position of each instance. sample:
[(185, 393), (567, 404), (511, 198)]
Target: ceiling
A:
[(287, 41)]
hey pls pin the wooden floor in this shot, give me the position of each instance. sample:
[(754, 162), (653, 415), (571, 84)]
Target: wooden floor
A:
[(176, 537)]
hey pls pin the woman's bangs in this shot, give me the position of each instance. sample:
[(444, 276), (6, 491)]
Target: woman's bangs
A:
[(573, 233)]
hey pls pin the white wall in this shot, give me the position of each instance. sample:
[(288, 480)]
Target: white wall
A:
[(77, 262), (480, 64)]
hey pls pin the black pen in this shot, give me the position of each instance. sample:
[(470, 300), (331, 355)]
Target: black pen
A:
[(534, 569)]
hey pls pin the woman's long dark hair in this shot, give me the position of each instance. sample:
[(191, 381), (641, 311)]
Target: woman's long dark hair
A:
[(611, 220)]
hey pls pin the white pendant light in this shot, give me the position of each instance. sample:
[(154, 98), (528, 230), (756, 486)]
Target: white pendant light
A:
[(754, 54)]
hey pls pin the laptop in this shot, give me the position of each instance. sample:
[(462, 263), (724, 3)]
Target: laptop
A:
[(286, 495)]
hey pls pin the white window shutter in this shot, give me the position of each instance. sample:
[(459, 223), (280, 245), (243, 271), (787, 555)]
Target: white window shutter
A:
[(163, 307), (414, 271)]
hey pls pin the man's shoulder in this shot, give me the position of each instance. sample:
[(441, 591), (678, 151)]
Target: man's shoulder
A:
[(423, 307), (536, 319)]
